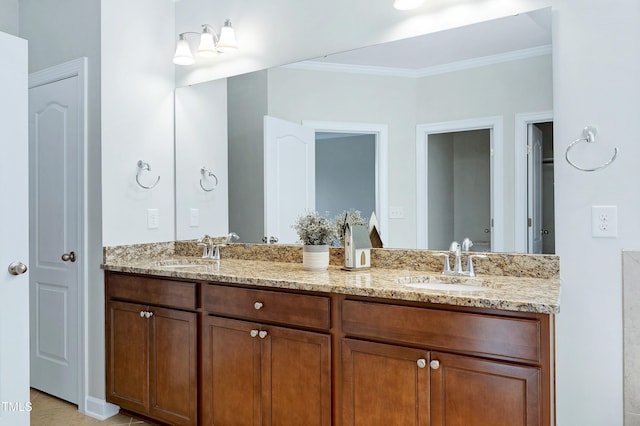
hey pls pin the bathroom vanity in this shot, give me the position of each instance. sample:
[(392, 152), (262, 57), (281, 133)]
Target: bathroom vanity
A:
[(248, 342)]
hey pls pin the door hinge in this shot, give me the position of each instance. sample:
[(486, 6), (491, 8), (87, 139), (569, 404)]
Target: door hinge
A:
[(529, 149), (529, 222)]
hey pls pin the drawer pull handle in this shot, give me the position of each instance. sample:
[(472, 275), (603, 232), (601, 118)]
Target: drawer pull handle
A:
[(435, 364), (422, 363), (253, 333), (258, 305), (262, 334)]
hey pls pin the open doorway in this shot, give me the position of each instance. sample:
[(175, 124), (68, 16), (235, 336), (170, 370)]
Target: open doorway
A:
[(534, 188), (459, 189), (345, 172), (540, 194)]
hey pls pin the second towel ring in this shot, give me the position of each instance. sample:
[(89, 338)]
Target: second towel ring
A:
[(206, 173), (144, 166), (589, 135)]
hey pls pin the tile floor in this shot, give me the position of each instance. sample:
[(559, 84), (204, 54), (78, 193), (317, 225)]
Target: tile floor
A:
[(50, 411)]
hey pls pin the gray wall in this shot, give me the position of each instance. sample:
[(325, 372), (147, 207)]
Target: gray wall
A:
[(247, 105), (9, 17)]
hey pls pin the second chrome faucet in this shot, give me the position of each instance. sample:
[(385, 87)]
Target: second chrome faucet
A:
[(455, 249)]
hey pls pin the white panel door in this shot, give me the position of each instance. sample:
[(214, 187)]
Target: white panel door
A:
[(55, 160), (535, 189), (14, 233), (289, 176)]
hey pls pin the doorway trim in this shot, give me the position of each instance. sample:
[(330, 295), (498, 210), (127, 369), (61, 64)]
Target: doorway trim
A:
[(521, 173), (382, 148), (77, 68), (495, 126)]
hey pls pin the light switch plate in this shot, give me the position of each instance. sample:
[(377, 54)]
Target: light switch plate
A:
[(153, 218), (604, 221), (194, 218)]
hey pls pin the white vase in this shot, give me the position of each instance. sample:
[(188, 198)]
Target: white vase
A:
[(315, 258)]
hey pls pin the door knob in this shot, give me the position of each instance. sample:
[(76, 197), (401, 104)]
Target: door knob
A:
[(253, 333), (17, 268), (435, 364), (422, 363), (262, 334), (69, 257)]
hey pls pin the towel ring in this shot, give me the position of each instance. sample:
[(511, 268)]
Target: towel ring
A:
[(144, 166), (205, 174), (589, 136)]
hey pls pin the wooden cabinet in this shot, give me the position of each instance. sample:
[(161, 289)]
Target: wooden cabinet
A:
[(186, 353), (151, 352), (384, 384), (487, 369), (257, 373)]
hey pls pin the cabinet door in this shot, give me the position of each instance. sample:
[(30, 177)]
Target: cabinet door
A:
[(384, 384), (467, 391), (173, 367), (296, 377), (230, 373), (127, 356)]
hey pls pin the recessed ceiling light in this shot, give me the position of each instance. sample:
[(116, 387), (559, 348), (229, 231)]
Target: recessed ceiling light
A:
[(407, 4)]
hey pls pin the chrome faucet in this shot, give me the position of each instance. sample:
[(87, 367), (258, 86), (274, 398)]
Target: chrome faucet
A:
[(455, 249), (206, 242), (232, 236)]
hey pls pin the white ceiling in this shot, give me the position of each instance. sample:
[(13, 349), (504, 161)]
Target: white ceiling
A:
[(496, 37)]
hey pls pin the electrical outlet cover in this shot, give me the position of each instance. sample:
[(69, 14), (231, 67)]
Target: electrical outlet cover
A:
[(604, 221)]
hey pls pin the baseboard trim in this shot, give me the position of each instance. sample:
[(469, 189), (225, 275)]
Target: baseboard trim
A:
[(99, 408)]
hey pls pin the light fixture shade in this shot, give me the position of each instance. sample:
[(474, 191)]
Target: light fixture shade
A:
[(183, 55), (207, 48), (227, 42), (407, 4)]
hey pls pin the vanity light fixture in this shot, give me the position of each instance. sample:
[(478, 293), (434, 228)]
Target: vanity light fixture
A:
[(407, 4), (210, 44)]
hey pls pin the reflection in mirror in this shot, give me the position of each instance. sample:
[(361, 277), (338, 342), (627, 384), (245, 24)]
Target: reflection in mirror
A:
[(500, 68)]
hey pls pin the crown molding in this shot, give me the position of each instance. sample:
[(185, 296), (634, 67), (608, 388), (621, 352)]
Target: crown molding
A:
[(423, 72)]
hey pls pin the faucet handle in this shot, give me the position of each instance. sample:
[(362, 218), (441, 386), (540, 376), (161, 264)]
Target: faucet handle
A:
[(466, 244), (446, 268), (470, 270)]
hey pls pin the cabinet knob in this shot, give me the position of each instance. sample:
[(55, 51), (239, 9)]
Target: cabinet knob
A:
[(435, 364), (141, 314), (148, 314), (258, 305), (253, 333), (422, 363), (262, 334)]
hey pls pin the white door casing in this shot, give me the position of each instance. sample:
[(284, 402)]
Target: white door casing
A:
[(14, 229), (495, 124), (58, 299), (381, 132), (535, 190), (289, 176)]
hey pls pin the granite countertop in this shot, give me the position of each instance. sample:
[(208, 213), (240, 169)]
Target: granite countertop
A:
[(524, 294)]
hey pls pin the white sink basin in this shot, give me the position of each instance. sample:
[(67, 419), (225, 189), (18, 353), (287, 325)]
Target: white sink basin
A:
[(445, 286)]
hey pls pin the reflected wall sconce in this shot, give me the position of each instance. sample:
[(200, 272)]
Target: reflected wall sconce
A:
[(210, 43), (407, 4)]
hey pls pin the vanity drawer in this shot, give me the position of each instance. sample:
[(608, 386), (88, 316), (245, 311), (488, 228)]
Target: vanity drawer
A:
[(265, 305), (482, 334), (152, 291)]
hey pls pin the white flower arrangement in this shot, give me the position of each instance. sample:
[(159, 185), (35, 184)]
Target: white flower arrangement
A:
[(314, 229)]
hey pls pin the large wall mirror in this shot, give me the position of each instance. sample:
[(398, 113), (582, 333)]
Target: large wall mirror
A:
[(444, 136)]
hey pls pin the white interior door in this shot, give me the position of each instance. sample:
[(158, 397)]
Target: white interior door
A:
[(55, 188), (14, 232), (289, 176), (534, 186)]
